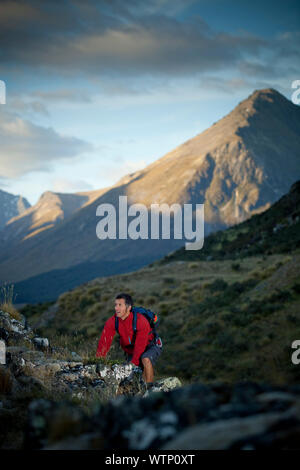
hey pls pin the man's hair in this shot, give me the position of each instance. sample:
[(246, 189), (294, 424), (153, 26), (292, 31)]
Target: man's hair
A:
[(127, 298)]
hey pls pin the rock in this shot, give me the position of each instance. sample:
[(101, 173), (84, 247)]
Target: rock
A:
[(103, 370), (51, 422), (88, 441), (11, 329), (74, 365), (165, 385), (75, 356), (41, 343), (69, 377), (34, 356), (221, 434), (121, 371), (46, 369), (32, 384), (4, 334), (192, 417)]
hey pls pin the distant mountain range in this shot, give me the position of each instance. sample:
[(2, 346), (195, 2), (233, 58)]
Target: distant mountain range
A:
[(238, 168), (51, 209), (11, 206)]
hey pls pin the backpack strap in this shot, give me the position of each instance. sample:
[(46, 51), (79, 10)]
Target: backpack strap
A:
[(116, 324), (153, 331), (134, 322)]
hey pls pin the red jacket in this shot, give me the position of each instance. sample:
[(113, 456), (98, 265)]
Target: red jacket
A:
[(143, 337)]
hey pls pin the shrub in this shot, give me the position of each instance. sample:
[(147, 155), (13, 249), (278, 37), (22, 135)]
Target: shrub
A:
[(193, 265), (95, 309), (218, 285), (296, 287), (166, 292), (151, 300), (280, 295), (85, 301), (164, 308), (235, 266), (168, 280)]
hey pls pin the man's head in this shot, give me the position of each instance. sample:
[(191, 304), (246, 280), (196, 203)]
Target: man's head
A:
[(123, 304)]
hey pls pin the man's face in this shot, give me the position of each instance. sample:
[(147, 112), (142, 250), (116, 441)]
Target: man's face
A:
[(120, 308)]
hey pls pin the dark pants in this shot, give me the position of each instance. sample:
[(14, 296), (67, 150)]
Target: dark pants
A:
[(152, 352)]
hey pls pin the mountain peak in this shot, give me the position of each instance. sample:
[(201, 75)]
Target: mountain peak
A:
[(47, 195), (11, 205), (265, 97)]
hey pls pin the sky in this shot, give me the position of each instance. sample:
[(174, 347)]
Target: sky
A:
[(97, 89)]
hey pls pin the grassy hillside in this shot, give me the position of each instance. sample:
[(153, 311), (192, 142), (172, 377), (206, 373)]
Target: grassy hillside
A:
[(220, 320)]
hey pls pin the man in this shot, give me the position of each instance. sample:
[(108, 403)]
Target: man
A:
[(144, 352)]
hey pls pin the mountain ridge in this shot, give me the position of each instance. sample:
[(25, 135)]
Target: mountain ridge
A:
[(11, 205), (234, 168)]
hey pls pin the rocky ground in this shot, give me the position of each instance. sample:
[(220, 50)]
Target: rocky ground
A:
[(47, 402)]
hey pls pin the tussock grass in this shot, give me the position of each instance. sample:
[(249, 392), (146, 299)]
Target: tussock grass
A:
[(7, 298)]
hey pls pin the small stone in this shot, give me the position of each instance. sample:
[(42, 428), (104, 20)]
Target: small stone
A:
[(75, 356), (41, 343)]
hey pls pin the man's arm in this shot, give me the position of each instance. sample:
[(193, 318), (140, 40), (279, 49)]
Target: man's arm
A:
[(107, 336), (141, 340)]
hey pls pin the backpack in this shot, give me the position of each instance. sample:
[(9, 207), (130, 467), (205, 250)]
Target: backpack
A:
[(149, 315)]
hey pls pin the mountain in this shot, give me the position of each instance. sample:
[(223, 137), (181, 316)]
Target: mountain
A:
[(51, 209), (11, 206), (237, 168)]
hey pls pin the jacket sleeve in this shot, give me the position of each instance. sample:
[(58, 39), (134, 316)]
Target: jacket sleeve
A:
[(106, 338), (141, 340)]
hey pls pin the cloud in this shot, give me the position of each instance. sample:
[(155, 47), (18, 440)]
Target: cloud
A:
[(64, 185), (27, 106), (27, 147), (107, 38), (63, 95), (132, 47), (224, 85), (115, 172)]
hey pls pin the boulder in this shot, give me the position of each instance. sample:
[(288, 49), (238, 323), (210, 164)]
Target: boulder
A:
[(41, 343)]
